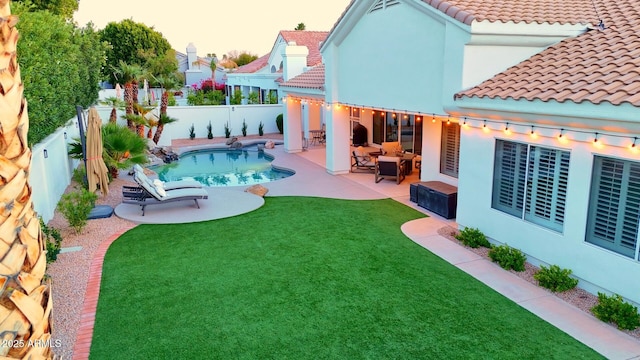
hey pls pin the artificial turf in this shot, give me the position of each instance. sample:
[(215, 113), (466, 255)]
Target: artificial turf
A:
[(305, 278)]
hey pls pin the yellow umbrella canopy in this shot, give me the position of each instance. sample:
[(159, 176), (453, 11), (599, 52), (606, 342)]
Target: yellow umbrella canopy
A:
[(96, 169)]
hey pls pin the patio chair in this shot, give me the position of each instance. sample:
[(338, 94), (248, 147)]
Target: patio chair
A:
[(391, 148), (168, 185), (148, 194), (360, 160), (389, 167)]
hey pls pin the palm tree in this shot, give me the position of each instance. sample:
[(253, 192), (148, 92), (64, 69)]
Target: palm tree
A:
[(164, 120), (129, 75), (25, 297), (115, 103)]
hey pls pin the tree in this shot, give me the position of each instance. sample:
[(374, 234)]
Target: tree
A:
[(25, 297), (64, 8), (301, 26), (241, 58), (60, 65), (129, 75), (131, 42)]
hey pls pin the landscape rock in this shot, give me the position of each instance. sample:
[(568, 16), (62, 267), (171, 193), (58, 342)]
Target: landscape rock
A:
[(257, 190), (269, 145), (231, 140)]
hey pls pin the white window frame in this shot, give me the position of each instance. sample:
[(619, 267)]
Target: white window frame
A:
[(614, 206), (531, 182)]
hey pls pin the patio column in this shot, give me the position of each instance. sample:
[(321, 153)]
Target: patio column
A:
[(338, 142), (305, 118), (292, 124)]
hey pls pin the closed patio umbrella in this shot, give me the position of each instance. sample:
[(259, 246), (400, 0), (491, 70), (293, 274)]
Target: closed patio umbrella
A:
[(96, 169)]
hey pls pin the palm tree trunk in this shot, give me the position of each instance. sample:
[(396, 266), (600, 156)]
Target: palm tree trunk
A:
[(113, 117), (158, 133), (164, 102), (128, 98), (25, 298)]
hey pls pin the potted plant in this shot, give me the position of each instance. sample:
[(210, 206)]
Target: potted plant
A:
[(261, 129), (244, 128), (192, 132)]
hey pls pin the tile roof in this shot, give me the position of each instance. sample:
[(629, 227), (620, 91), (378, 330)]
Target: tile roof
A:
[(253, 66), (312, 79), (598, 66), (528, 11), (310, 39)]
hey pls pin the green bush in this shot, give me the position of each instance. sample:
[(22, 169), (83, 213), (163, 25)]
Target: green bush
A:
[(209, 131), (508, 257), (614, 309), (261, 129), (52, 239), (192, 132), (236, 97), (555, 279), (244, 128), (473, 237), (280, 123), (227, 130), (76, 206), (80, 176)]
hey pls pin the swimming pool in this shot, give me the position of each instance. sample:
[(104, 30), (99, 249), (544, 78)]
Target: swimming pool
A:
[(222, 168)]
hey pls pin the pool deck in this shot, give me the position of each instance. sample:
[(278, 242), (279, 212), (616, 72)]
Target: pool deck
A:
[(311, 179)]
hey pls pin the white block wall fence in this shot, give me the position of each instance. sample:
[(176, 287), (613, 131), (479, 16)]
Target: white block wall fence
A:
[(52, 169)]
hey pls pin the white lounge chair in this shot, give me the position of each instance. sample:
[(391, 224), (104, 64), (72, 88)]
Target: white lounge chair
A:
[(148, 194)]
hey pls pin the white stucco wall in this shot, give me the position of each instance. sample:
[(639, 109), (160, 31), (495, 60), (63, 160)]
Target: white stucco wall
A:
[(598, 269)]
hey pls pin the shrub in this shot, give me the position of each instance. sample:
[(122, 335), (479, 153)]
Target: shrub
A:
[(279, 123), (261, 129), (192, 132), (209, 131), (244, 128), (227, 130), (254, 98), (52, 239), (80, 176), (614, 309), (76, 206), (236, 97), (555, 279), (473, 237), (508, 257)]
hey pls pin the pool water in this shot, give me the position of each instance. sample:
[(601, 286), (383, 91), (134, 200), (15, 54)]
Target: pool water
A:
[(222, 168)]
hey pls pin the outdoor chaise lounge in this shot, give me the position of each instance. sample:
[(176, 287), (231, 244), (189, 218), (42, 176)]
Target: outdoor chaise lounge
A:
[(148, 194), (168, 185)]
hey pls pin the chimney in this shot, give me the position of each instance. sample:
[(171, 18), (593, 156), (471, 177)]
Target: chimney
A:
[(294, 60), (192, 55)]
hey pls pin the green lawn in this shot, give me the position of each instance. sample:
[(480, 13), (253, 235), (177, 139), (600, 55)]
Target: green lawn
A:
[(305, 278)]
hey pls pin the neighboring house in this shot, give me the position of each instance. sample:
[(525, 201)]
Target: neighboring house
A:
[(196, 68), (263, 75), (432, 73)]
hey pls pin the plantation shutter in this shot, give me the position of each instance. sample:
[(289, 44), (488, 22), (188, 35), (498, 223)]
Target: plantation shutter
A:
[(509, 176), (450, 149), (547, 177), (614, 206)]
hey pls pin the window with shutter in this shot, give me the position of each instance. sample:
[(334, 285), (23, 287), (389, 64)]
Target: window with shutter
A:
[(614, 206), (530, 182), (450, 149)]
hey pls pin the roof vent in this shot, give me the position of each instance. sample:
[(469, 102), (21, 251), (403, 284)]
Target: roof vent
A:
[(383, 4)]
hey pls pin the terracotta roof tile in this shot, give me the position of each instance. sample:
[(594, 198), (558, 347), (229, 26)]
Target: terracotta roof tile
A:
[(597, 66), (312, 79), (532, 11), (253, 66), (311, 39)]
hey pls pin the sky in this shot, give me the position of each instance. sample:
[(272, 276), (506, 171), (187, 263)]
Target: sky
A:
[(215, 26)]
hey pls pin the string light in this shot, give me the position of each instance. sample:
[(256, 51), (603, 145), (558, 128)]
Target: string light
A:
[(433, 118), (449, 120), (533, 132), (506, 129), (595, 139), (560, 136)]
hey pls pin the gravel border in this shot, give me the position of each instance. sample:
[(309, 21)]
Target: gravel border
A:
[(577, 297)]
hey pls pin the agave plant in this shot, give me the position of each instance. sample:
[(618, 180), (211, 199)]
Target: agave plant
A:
[(122, 148)]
